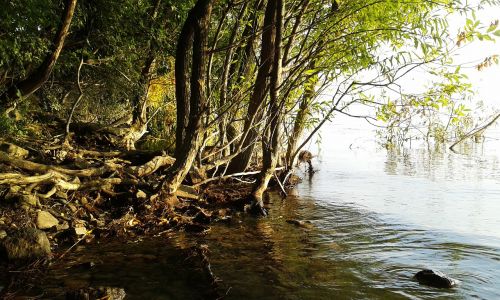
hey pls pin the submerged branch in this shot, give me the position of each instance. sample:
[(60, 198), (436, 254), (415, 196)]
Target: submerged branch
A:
[(475, 131)]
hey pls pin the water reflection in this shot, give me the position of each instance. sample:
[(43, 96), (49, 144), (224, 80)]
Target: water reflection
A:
[(348, 254), (377, 218)]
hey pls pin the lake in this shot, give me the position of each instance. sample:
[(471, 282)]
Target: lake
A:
[(376, 217)]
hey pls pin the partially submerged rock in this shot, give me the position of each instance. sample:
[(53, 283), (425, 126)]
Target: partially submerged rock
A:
[(300, 223), (25, 244), (435, 279)]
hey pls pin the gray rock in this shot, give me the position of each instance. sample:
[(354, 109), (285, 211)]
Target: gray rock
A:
[(25, 244), (44, 220), (435, 279)]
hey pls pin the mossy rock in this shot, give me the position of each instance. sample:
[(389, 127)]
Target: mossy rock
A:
[(25, 244)]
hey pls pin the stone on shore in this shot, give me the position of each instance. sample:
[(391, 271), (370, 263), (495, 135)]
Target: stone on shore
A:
[(44, 220), (25, 244)]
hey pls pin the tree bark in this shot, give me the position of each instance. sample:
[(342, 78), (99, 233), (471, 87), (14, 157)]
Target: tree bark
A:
[(181, 79), (196, 25), (35, 80), (271, 139), (300, 121), (140, 101), (255, 111), (228, 62)]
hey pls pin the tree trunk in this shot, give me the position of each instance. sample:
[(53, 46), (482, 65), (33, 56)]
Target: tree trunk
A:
[(181, 79), (300, 120), (196, 25), (228, 62), (140, 101), (271, 139), (35, 80), (255, 111)]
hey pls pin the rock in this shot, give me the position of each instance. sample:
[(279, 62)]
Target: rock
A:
[(299, 223), (62, 226), (172, 201), (187, 192), (3, 234), (202, 217), (44, 220), (25, 244), (197, 175), (13, 150), (80, 230), (141, 195), (100, 222), (435, 279), (110, 293), (29, 201), (84, 266)]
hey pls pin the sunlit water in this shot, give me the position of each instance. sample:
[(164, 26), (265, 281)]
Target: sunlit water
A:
[(377, 218)]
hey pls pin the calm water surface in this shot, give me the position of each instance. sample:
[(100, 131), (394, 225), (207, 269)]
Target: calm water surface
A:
[(377, 218)]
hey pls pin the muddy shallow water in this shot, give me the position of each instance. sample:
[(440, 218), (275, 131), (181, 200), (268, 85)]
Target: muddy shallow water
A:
[(377, 217)]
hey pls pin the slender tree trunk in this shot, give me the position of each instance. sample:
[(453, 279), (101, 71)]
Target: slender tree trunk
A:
[(300, 120), (291, 38), (241, 70), (271, 139), (35, 80), (140, 101), (255, 111), (181, 79), (196, 25), (228, 62)]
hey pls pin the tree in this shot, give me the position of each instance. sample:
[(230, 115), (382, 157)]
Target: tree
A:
[(189, 137), (35, 80)]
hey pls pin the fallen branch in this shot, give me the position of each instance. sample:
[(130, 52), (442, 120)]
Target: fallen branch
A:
[(474, 132)]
